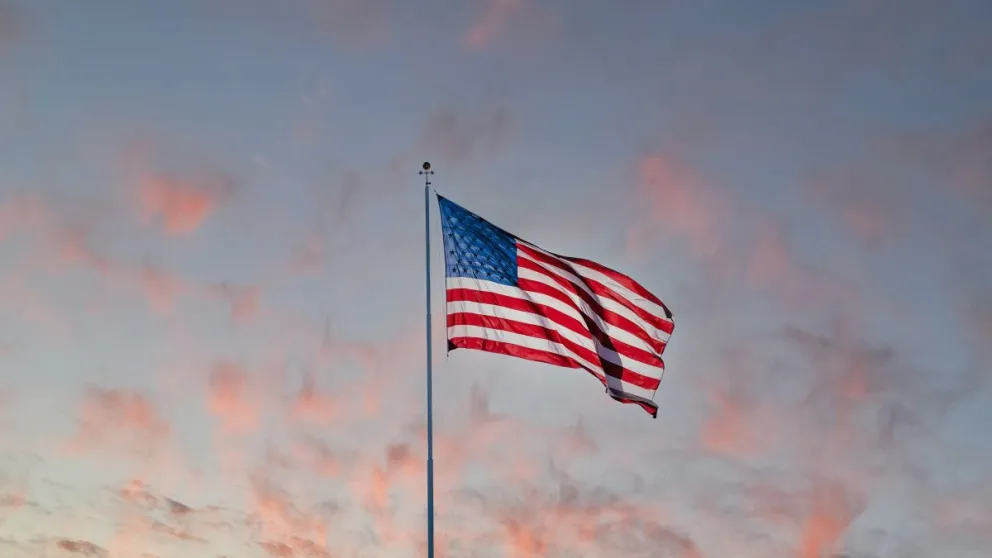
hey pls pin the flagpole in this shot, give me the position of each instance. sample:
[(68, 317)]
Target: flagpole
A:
[(427, 172)]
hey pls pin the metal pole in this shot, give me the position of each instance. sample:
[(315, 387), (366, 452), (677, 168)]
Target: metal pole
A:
[(427, 172)]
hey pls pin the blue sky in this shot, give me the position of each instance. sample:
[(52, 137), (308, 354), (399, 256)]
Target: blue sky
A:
[(212, 260)]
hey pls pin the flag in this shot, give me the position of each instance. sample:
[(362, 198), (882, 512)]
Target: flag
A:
[(505, 295)]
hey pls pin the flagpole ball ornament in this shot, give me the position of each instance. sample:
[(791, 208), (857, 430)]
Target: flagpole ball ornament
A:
[(426, 172)]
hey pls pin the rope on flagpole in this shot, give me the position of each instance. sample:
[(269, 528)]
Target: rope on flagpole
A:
[(427, 172)]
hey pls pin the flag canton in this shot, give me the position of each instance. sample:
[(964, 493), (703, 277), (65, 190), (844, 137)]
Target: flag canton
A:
[(475, 248)]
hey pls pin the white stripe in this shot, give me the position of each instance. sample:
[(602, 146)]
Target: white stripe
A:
[(650, 330), (545, 345), (619, 289), (647, 305), (606, 303), (612, 331), (515, 292), (593, 346), (530, 342), (503, 312)]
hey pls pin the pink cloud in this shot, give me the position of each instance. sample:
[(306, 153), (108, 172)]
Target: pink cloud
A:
[(735, 426), (496, 16), (282, 525), (682, 205), (861, 207), (84, 548), (829, 517), (729, 238), (318, 458), (771, 259), (159, 287), (524, 541), (244, 300), (231, 399), (180, 205), (335, 209), (773, 268), (137, 492), (357, 22), (312, 406), (20, 214), (119, 419)]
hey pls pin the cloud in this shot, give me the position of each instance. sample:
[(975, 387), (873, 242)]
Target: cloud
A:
[(282, 525), (849, 367), (112, 418), (84, 548), (232, 398), (559, 516), (22, 213), (336, 207), (34, 311), (312, 406), (310, 255), (357, 22), (864, 208), (682, 204), (180, 205), (312, 455), (137, 492), (178, 508), (771, 260), (496, 15), (831, 513), (736, 425), (159, 287), (738, 248), (245, 300)]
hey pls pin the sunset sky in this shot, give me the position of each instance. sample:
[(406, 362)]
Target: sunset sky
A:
[(212, 276)]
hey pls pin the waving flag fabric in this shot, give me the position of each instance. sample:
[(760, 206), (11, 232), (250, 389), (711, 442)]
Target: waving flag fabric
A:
[(508, 296)]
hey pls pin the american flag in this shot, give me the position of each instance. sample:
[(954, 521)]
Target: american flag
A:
[(505, 295)]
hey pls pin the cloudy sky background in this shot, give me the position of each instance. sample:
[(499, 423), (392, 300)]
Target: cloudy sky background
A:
[(211, 270)]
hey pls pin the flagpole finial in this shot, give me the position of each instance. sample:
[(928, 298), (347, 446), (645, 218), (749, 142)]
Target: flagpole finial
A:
[(427, 172)]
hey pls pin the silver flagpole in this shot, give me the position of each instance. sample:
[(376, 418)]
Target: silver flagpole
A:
[(427, 172)]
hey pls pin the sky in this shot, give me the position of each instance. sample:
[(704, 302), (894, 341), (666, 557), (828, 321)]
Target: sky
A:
[(212, 275)]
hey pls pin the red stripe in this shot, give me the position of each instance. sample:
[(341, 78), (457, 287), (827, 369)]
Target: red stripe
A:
[(602, 290), (597, 288), (609, 368), (497, 299), (624, 280), (607, 316), (587, 328), (656, 321), (526, 353)]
